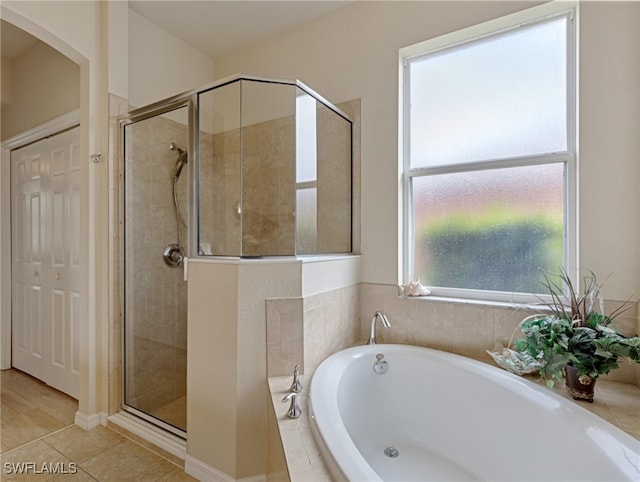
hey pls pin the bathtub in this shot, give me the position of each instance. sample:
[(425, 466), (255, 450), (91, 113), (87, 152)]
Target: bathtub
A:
[(438, 416)]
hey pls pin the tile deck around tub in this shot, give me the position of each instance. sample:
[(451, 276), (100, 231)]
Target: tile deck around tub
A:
[(616, 402)]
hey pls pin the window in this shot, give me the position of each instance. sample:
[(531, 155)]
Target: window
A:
[(488, 132)]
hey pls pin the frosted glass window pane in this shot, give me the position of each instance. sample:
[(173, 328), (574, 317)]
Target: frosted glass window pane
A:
[(306, 151), (306, 221), (498, 229), (504, 96)]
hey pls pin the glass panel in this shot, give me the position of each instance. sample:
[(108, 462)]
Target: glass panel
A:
[(334, 181), (496, 230), (501, 97), (220, 171), (260, 143), (306, 174), (155, 293), (268, 169)]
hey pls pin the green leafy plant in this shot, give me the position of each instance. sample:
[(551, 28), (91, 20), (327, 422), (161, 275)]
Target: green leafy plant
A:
[(574, 332)]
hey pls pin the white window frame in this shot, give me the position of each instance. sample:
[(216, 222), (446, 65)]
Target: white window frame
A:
[(498, 26)]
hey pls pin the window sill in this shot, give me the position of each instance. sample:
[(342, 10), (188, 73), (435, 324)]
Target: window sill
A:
[(524, 305)]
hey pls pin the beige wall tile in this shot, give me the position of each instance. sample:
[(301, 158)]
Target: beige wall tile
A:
[(464, 328)]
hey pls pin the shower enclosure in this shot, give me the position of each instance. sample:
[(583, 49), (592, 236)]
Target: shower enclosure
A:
[(155, 293), (246, 167)]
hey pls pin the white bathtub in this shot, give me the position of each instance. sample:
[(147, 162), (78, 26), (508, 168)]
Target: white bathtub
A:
[(453, 418)]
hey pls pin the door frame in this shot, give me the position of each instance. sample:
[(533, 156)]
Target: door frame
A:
[(34, 134)]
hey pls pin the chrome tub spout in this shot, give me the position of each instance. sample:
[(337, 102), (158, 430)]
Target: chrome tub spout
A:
[(385, 322)]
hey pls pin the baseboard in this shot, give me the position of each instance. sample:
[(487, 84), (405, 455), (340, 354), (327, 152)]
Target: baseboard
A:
[(204, 472), (158, 437), (88, 422), (255, 478)]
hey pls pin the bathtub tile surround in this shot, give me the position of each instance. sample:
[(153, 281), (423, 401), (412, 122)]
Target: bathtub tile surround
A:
[(303, 458), (285, 346), (329, 324), (463, 327), (616, 402), (430, 424), (307, 330)]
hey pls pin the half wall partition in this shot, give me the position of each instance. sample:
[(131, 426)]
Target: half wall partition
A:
[(245, 167)]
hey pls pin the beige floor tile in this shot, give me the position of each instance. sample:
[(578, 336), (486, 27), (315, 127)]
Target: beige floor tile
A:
[(78, 476), (35, 461), (176, 475), (80, 445), (127, 461), (18, 428), (30, 409)]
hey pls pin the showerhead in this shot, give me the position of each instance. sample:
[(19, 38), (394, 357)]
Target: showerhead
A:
[(174, 147), (183, 157)]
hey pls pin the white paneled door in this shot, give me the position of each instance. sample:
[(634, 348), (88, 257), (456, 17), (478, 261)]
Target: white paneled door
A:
[(45, 190)]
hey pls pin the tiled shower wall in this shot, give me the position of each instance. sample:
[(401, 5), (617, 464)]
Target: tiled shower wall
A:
[(266, 175), (264, 181)]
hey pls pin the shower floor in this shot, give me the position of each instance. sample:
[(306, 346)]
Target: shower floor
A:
[(174, 413)]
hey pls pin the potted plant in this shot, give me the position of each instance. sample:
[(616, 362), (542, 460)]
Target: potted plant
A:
[(572, 339)]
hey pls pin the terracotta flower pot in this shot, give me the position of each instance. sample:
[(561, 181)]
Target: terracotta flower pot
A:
[(580, 388)]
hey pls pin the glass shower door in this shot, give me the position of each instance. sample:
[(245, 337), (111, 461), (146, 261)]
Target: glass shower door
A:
[(155, 293)]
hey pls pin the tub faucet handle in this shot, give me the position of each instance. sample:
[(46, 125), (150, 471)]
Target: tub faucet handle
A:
[(296, 386), (294, 409)]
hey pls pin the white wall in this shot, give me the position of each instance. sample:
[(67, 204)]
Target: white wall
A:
[(118, 48), (45, 84), (353, 53), (161, 65), (77, 30), (610, 145)]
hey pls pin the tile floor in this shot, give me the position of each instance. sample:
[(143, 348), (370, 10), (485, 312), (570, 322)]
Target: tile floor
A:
[(30, 409), (40, 442)]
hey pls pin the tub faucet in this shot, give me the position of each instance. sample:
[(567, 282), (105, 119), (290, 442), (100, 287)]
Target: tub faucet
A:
[(294, 409), (385, 323), (296, 386)]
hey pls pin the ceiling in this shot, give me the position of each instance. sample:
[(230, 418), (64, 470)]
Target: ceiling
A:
[(213, 27), (218, 27)]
